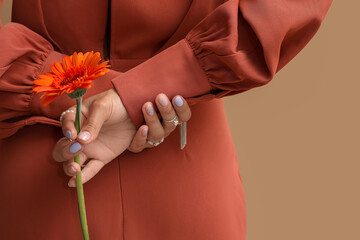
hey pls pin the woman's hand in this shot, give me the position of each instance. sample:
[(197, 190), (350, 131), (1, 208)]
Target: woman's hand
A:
[(155, 129), (107, 131)]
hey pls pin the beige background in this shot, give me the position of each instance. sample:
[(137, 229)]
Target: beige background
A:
[(297, 138)]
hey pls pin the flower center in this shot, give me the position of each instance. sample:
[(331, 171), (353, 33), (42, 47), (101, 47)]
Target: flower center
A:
[(68, 80)]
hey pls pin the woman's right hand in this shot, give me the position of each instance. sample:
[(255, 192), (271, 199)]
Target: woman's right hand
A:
[(156, 129), (106, 132)]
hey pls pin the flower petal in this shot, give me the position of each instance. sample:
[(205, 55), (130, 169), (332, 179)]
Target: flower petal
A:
[(75, 71), (48, 100), (80, 58), (43, 82), (75, 59), (66, 63), (57, 69)]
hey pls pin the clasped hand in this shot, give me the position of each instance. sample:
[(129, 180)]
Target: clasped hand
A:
[(107, 131)]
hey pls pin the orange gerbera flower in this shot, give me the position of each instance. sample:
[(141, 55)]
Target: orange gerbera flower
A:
[(76, 71)]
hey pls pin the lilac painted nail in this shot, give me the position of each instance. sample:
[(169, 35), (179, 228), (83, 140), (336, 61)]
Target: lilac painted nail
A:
[(68, 134), (75, 147), (178, 101)]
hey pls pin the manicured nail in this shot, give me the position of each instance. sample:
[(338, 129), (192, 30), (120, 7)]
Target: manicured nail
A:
[(84, 136), (178, 101), (144, 132), (71, 183), (149, 110), (163, 100), (71, 170), (75, 147), (68, 134)]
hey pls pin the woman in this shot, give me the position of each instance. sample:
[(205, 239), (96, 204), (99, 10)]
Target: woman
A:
[(200, 49)]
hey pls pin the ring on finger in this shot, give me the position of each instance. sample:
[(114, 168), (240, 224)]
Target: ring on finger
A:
[(155, 143), (63, 114), (175, 121)]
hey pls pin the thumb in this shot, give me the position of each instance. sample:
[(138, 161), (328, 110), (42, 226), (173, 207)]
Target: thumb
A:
[(97, 115)]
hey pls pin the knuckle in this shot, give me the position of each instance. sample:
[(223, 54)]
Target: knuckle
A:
[(135, 149), (169, 127), (168, 111), (92, 172), (168, 131), (184, 116), (85, 178), (157, 136), (151, 120), (135, 146), (99, 104), (89, 174), (91, 125), (187, 117), (65, 156), (154, 118), (55, 155), (131, 149), (65, 166), (57, 152)]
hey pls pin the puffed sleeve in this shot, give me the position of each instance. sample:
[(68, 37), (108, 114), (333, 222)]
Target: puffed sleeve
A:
[(25, 54), (239, 46)]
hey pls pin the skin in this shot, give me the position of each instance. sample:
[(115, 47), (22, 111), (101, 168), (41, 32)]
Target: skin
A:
[(107, 131)]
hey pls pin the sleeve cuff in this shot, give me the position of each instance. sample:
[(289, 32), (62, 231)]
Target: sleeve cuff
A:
[(175, 71)]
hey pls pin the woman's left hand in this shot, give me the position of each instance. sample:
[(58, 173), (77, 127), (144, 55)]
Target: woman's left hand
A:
[(155, 129)]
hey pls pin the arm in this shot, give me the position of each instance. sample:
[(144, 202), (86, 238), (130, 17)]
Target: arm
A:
[(239, 46), (25, 54)]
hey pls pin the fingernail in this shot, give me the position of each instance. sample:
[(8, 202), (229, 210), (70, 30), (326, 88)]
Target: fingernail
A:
[(163, 100), (84, 136), (144, 132), (75, 147), (149, 110), (178, 101), (71, 170), (68, 134), (71, 183)]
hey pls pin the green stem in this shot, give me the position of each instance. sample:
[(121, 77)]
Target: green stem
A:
[(79, 185)]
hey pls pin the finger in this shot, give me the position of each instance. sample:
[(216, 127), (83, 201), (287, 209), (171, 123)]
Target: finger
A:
[(68, 123), (88, 172), (182, 108), (97, 114), (139, 141), (167, 113), (71, 168), (65, 150), (156, 130)]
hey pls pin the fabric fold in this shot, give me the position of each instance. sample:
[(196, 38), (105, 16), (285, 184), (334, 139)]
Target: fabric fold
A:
[(237, 47), (26, 55)]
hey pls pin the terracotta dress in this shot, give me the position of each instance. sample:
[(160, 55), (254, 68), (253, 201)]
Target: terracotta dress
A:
[(200, 49)]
